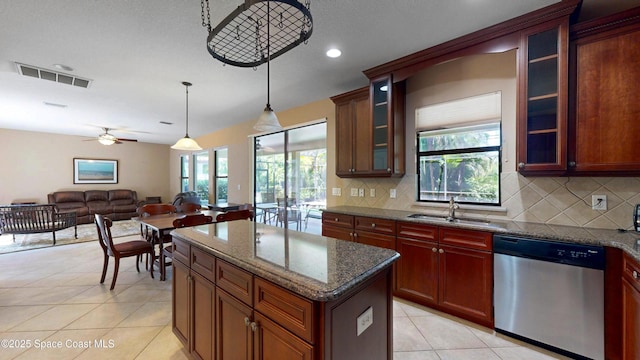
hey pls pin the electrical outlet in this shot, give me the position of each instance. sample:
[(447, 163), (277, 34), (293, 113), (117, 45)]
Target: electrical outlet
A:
[(364, 320), (361, 192), (336, 191), (599, 202), (372, 192), (354, 192), (392, 193)]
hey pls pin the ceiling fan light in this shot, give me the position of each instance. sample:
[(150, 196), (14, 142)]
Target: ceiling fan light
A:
[(186, 143), (106, 141), (268, 121)]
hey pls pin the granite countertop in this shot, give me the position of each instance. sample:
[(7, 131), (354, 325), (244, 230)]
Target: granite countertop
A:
[(574, 234), (316, 267)]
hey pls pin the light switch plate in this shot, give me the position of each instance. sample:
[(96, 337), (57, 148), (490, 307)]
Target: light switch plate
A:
[(372, 192), (336, 191), (392, 193), (354, 191), (365, 320)]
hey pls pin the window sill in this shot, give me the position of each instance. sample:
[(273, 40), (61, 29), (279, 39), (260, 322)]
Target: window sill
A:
[(495, 209)]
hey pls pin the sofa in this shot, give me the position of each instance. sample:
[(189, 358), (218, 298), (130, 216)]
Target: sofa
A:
[(115, 204)]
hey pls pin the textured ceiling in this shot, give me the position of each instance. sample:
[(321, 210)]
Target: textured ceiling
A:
[(137, 53)]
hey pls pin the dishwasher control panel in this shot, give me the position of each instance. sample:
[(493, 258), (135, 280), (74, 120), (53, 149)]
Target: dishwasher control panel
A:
[(590, 256)]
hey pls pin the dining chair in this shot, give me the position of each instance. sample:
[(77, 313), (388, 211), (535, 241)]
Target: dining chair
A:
[(119, 250), (188, 220), (188, 208), (288, 212), (235, 215)]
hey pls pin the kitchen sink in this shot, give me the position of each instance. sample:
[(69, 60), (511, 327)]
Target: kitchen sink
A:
[(460, 220)]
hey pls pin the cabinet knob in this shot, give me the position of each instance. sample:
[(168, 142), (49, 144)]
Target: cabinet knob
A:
[(247, 322), (572, 164), (441, 251), (521, 165), (434, 249), (373, 225), (388, 169), (336, 220), (254, 326), (635, 274)]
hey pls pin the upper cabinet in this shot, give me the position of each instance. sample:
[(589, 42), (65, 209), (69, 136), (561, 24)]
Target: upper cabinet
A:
[(606, 75), (542, 99), (370, 131)]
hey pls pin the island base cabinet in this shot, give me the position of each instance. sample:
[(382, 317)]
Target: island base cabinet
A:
[(202, 344), (234, 338), (181, 302), (272, 342), (630, 321)]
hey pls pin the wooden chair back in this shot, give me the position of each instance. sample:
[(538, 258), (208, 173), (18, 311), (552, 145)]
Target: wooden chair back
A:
[(155, 209), (235, 215), (192, 220), (188, 207), (103, 225)]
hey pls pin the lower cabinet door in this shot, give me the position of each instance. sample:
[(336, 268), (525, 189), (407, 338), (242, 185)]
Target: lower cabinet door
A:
[(203, 317), (234, 338), (630, 321), (181, 303), (273, 342), (466, 283), (417, 270)]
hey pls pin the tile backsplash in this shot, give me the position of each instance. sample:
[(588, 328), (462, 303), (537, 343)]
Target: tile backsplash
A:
[(552, 200)]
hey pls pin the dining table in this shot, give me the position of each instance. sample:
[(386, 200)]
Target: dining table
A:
[(163, 223)]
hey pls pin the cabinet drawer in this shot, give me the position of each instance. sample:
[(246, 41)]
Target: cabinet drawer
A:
[(290, 311), (382, 226), (203, 263), (181, 251), (417, 231), (340, 220), (631, 271), (235, 281), (467, 238)]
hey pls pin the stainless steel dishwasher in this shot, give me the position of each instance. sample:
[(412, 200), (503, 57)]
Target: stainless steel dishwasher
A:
[(550, 294)]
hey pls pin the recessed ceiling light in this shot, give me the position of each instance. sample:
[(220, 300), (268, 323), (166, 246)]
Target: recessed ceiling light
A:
[(334, 53), (63, 67)]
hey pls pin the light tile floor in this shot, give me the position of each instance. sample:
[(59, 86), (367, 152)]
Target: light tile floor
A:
[(52, 307)]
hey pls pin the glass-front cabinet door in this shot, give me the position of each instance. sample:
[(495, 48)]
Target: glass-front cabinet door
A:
[(542, 123), (387, 127)]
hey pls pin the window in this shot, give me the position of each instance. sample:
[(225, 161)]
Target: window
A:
[(462, 162), (201, 175), (221, 175), (184, 173), (458, 150)]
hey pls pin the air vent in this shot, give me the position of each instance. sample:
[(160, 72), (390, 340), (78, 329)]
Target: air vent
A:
[(52, 75)]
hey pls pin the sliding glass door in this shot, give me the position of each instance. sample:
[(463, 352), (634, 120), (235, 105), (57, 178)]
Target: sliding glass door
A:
[(290, 177)]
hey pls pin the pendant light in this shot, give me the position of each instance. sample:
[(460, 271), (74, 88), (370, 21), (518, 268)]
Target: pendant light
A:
[(186, 143), (268, 121)]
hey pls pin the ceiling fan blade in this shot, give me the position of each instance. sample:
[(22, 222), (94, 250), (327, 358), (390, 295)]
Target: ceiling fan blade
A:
[(131, 140)]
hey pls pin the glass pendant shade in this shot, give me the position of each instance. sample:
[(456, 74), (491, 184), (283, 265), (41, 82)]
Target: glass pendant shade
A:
[(186, 143), (268, 121), (107, 139)]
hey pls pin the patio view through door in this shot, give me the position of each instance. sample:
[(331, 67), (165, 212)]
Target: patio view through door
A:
[(290, 177)]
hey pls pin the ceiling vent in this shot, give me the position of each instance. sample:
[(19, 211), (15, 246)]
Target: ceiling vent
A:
[(52, 75)]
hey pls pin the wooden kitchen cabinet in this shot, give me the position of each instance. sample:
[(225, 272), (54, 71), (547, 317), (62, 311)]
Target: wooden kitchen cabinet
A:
[(606, 68), (337, 226), (375, 232), (449, 269), (630, 308), (353, 139), (203, 317), (181, 302), (370, 130), (543, 99), (234, 335)]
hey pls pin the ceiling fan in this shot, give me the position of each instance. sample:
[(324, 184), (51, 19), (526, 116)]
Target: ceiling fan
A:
[(108, 139)]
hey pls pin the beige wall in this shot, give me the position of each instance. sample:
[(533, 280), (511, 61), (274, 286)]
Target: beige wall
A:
[(35, 164)]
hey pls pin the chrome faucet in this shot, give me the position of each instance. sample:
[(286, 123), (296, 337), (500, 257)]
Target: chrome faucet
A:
[(452, 209)]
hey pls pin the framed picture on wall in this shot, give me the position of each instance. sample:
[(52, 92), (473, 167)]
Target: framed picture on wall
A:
[(95, 171)]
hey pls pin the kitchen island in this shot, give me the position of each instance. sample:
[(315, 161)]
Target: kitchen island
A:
[(244, 290)]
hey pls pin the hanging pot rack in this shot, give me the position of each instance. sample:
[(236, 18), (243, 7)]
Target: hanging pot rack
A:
[(241, 38)]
